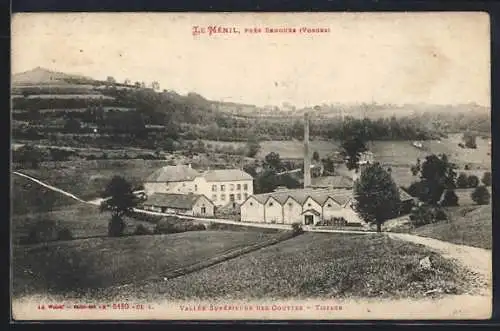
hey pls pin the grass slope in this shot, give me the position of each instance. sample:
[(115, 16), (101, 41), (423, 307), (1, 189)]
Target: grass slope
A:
[(81, 219), (315, 266), (470, 226), (104, 262)]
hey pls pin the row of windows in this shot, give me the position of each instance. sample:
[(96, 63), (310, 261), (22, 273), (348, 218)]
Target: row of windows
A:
[(231, 187), (232, 197)]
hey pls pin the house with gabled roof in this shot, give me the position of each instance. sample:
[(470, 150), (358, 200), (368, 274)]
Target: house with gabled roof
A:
[(222, 186), (185, 204)]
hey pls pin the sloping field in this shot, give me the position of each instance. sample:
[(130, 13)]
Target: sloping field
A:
[(476, 157), (285, 148), (87, 178), (295, 148), (397, 153), (29, 197), (104, 262), (315, 265), (82, 220), (470, 226)]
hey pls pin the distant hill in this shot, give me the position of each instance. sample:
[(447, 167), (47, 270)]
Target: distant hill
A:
[(41, 88), (40, 75)]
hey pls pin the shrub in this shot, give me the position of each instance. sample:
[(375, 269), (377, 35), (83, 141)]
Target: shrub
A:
[(462, 181), (486, 178), (297, 229), (472, 181), (440, 215), (64, 234), (141, 230), (422, 215), (450, 199), (481, 195)]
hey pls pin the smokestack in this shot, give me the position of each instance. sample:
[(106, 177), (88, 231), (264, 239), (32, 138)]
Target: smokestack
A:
[(307, 158)]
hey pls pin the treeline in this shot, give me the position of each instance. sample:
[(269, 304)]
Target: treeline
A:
[(192, 117)]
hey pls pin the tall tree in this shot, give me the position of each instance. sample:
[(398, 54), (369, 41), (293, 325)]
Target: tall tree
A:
[(376, 195), (273, 161), (315, 156), (352, 148), (436, 175), (253, 147), (119, 200)]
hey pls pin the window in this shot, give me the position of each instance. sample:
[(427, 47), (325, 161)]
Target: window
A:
[(251, 203), (308, 205), (214, 188), (223, 197), (245, 187), (196, 187), (238, 187), (203, 210), (290, 204), (231, 197), (183, 184), (329, 205), (231, 187), (245, 195), (214, 197), (270, 204), (238, 196), (223, 187)]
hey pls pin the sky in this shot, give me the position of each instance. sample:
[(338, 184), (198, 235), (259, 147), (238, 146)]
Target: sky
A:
[(398, 58)]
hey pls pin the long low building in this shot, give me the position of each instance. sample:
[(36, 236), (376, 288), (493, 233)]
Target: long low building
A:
[(304, 206), (185, 204)]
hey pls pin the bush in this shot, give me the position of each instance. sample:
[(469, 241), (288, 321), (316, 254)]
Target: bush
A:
[(486, 178), (169, 226), (64, 234), (472, 181), (450, 199), (141, 230), (297, 229), (440, 215), (462, 181), (481, 195)]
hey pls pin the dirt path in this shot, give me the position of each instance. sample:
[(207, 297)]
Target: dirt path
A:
[(477, 260)]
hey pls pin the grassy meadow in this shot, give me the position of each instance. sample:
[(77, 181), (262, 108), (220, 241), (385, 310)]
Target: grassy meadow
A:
[(95, 263), (80, 219), (316, 265), (471, 226)]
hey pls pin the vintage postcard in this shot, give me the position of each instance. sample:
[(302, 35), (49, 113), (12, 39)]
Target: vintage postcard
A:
[(257, 166)]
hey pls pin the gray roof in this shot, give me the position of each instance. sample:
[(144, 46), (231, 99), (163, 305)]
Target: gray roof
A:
[(172, 200), (222, 175), (341, 196), (175, 173), (332, 181)]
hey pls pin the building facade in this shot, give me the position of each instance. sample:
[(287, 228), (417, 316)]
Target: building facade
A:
[(299, 206), (183, 204), (221, 186)]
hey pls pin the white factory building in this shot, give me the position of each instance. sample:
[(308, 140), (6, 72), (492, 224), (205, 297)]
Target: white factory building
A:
[(304, 206)]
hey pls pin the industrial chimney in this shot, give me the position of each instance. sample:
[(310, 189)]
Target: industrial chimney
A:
[(307, 158)]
